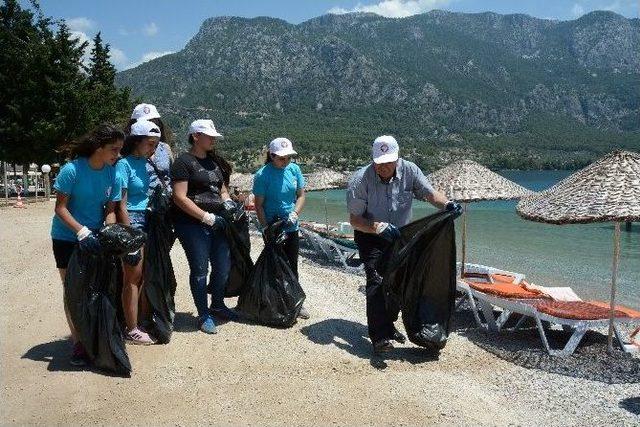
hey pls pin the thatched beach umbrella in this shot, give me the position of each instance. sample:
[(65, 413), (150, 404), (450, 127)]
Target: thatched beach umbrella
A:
[(607, 190), (467, 181)]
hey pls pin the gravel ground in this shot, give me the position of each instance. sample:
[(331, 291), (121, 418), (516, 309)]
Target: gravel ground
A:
[(318, 372)]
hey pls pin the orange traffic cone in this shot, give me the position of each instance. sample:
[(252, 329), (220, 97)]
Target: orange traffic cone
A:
[(19, 203)]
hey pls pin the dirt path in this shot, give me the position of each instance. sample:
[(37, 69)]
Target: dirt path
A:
[(318, 372)]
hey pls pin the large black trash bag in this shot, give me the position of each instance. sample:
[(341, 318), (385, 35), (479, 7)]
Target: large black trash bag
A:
[(91, 293), (419, 275), (159, 278), (240, 248), (237, 234), (120, 239), (273, 295)]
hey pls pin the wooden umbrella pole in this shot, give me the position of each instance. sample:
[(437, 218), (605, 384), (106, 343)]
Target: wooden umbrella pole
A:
[(614, 275), (464, 239)]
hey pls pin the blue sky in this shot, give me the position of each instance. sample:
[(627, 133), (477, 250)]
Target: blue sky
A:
[(140, 30)]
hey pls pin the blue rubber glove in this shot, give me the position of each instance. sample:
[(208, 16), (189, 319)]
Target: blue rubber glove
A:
[(88, 241), (132, 258), (454, 207), (388, 232)]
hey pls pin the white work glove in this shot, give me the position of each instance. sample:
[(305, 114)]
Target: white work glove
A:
[(293, 218), (214, 221), (83, 233)]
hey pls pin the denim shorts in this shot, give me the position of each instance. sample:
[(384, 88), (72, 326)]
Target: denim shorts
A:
[(138, 219)]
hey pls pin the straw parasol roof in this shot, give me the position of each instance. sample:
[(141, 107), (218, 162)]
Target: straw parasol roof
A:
[(468, 181), (607, 190), (321, 179)]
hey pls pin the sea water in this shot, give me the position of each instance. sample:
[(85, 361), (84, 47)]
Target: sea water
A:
[(579, 256)]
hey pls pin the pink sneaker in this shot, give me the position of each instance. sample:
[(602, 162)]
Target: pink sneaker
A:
[(139, 337)]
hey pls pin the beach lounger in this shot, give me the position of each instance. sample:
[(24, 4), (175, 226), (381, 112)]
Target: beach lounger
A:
[(333, 250), (576, 316)]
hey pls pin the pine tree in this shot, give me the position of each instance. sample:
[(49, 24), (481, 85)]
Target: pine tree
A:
[(108, 103), (101, 71)]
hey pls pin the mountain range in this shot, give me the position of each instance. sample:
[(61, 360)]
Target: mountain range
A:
[(510, 91)]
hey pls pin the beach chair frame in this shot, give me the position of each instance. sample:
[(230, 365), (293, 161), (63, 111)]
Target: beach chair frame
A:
[(332, 250), (485, 303)]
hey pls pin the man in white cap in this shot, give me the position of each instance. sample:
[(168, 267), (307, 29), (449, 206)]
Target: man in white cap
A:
[(379, 200)]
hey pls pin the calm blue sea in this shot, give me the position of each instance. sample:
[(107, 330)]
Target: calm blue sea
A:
[(578, 256)]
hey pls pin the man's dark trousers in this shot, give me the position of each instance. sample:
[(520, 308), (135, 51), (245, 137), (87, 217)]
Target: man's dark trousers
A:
[(380, 313)]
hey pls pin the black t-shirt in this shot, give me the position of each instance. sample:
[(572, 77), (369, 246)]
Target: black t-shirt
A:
[(204, 182)]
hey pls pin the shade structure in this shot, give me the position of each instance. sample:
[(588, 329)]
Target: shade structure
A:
[(321, 179), (467, 181), (607, 190)]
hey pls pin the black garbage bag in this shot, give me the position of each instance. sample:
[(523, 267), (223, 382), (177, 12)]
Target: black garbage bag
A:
[(419, 276), (91, 294), (159, 277), (240, 247), (237, 234), (120, 239), (273, 295)]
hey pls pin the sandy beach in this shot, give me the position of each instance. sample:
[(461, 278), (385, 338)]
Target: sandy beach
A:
[(319, 372)]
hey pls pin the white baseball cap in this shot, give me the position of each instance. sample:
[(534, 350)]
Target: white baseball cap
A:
[(204, 126), (385, 149), (145, 128), (281, 147), (145, 112)]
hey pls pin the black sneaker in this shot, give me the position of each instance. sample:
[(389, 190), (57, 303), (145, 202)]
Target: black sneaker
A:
[(382, 346), (78, 356)]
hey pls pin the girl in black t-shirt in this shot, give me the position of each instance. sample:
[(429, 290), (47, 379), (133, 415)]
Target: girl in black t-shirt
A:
[(200, 178)]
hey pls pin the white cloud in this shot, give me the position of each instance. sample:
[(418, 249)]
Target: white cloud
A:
[(83, 37), (577, 10), (118, 57), (80, 23), (150, 29), (394, 8)]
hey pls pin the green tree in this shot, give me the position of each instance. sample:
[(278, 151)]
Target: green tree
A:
[(107, 102)]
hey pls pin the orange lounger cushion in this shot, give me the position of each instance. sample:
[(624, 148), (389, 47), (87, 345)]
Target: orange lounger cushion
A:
[(579, 310), (628, 312), (505, 290), (502, 278)]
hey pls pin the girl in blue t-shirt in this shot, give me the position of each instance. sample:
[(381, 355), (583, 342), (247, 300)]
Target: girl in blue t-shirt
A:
[(159, 165), (86, 194), (278, 187), (134, 179)]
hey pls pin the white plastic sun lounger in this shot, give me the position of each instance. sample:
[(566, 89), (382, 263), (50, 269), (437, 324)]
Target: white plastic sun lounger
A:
[(485, 303), (332, 250)]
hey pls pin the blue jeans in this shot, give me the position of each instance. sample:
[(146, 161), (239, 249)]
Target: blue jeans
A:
[(202, 246)]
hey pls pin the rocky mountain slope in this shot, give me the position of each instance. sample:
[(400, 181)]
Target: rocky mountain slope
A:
[(507, 90)]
